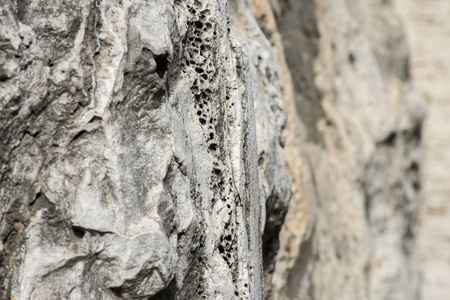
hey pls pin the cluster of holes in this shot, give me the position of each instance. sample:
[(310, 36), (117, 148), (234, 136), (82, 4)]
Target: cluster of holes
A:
[(227, 246), (228, 249), (222, 185), (227, 97), (230, 103), (201, 287), (199, 58)]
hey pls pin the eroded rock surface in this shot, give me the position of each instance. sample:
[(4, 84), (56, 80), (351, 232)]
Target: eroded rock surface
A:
[(353, 151), (132, 162), (148, 150)]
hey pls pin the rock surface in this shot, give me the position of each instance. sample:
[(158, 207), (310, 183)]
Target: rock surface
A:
[(428, 27), (131, 166), (148, 150), (353, 151)]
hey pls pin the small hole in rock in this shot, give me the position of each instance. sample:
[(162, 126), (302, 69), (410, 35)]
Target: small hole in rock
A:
[(78, 231), (162, 63)]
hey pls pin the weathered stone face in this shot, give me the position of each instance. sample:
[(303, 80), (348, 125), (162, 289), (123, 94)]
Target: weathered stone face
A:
[(130, 153), (143, 151), (353, 151)]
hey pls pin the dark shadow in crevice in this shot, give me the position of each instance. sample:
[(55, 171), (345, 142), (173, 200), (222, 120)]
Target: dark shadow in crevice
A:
[(162, 64), (169, 293)]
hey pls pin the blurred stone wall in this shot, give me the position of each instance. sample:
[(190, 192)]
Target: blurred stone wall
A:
[(427, 24), (353, 151)]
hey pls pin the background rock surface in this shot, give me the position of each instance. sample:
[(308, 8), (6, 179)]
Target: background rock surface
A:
[(207, 150), (356, 121), (427, 25)]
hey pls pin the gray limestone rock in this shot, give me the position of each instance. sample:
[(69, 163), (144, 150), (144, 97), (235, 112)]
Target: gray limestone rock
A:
[(132, 162), (150, 149), (353, 151)]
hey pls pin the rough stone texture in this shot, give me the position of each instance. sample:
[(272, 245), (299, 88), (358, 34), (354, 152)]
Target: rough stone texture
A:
[(146, 151), (427, 24), (132, 162), (353, 151)]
